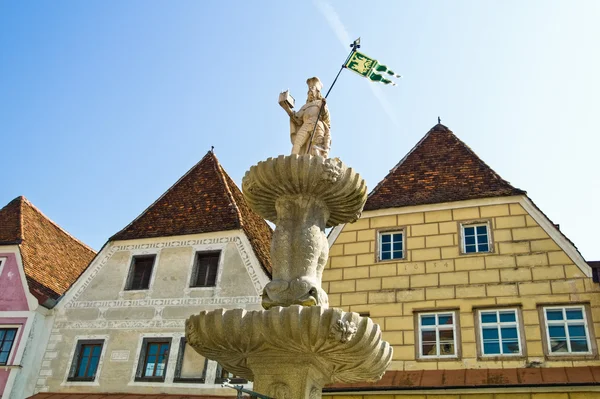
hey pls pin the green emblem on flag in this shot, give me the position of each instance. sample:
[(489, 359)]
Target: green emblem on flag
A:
[(370, 68)]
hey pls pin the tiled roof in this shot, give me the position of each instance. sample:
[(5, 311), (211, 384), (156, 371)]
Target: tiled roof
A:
[(52, 258), (50, 395), (475, 378), (440, 168), (204, 200)]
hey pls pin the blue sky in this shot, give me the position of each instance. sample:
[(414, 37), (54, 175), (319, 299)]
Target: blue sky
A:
[(105, 104)]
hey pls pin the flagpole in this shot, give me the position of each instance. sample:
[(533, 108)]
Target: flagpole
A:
[(355, 45)]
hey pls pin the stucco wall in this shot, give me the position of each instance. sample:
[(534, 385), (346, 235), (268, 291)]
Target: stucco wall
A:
[(525, 269), (98, 307)]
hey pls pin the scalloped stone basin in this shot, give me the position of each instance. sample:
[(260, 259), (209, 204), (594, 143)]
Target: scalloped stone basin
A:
[(291, 352), (302, 195)]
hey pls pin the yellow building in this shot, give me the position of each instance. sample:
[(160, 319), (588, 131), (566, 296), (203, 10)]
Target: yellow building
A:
[(478, 292)]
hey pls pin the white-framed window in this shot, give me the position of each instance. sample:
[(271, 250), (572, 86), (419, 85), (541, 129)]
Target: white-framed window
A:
[(476, 238), (499, 332), (8, 336), (567, 330), (391, 245), (437, 335), (2, 262)]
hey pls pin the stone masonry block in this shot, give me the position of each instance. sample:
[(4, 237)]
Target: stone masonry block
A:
[(517, 209), (386, 310), (532, 260), (343, 261), (470, 291), (403, 352), (572, 271), (538, 288), (443, 240), (513, 275), (448, 227), (465, 213), (502, 235), (548, 273), (346, 236), (438, 216), (382, 270), (355, 298), (399, 323), (383, 221), (507, 248), (424, 280), (509, 289), (410, 218), (494, 210), (365, 235), (394, 337), (454, 278), (484, 276), (360, 224), (499, 261), (509, 222), (533, 333), (332, 274), (342, 286), (411, 268), (365, 259), (450, 252), (335, 300), (469, 263), (356, 248), (369, 284), (439, 293), (544, 245), (531, 318), (529, 233), (439, 266), (424, 229), (398, 282), (356, 272), (567, 286), (559, 258), (426, 254), (336, 249), (382, 297), (530, 221), (466, 320), (412, 295), (468, 334), (415, 242), (410, 307)]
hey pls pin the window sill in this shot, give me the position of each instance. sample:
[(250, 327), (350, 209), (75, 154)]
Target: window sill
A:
[(438, 359), (74, 379), (189, 380), (571, 357), (492, 358), (149, 379)]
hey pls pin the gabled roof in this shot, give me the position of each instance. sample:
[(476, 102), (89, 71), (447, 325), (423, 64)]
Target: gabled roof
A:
[(440, 168), (52, 258), (204, 200)]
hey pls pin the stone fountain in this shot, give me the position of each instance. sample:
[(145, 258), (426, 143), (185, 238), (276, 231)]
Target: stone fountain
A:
[(297, 344)]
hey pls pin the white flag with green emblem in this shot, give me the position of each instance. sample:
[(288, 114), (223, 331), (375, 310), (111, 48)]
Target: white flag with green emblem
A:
[(371, 68)]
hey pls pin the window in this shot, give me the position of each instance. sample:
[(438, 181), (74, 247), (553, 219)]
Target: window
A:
[(567, 330), (476, 238), (7, 339), (391, 245), (499, 332), (85, 361), (154, 356), (140, 272), (205, 269), (224, 375), (437, 335), (191, 366)]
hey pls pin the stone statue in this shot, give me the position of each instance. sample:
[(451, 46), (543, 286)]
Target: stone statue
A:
[(302, 122)]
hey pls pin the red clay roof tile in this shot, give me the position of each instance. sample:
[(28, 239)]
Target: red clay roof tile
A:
[(440, 168), (52, 258), (204, 200)]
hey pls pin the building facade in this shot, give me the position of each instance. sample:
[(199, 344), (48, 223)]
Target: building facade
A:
[(478, 292), (38, 263), (121, 327)]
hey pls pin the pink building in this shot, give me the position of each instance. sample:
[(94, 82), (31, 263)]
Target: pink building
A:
[(38, 262)]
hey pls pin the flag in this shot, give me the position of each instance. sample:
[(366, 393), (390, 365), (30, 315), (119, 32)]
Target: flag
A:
[(370, 68)]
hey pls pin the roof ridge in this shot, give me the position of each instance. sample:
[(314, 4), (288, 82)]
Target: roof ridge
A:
[(21, 199), (220, 172), (36, 209), (161, 197)]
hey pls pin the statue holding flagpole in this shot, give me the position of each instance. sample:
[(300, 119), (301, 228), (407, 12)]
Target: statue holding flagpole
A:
[(310, 121)]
